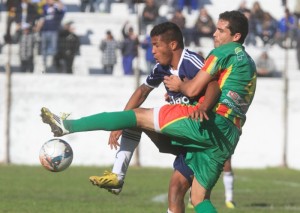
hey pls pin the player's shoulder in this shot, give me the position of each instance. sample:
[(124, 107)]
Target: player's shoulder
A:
[(158, 68), (189, 55), (192, 58), (228, 48)]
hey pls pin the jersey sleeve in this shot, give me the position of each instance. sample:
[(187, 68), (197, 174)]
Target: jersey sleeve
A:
[(156, 77), (211, 65)]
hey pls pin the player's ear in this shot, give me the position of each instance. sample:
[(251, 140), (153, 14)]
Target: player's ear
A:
[(236, 37), (173, 45)]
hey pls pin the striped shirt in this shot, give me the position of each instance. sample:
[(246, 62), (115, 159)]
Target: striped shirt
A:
[(189, 65)]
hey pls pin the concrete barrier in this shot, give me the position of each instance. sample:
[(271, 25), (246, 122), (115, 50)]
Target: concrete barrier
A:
[(261, 144)]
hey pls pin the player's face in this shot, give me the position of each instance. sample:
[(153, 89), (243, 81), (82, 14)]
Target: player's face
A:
[(223, 34), (161, 51)]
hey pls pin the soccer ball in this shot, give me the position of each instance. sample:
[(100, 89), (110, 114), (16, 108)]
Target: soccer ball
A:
[(56, 155)]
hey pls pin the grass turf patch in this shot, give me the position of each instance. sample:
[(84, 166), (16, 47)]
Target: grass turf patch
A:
[(33, 189)]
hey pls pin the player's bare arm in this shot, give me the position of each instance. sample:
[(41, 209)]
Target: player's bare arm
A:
[(136, 100), (189, 88), (211, 97)]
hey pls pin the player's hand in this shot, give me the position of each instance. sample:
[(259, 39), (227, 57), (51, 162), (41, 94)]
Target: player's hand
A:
[(172, 83), (200, 113), (113, 139)]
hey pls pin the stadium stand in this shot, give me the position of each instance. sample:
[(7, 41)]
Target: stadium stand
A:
[(91, 27)]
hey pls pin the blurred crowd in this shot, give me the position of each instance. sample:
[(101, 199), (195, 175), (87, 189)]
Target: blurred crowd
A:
[(40, 26)]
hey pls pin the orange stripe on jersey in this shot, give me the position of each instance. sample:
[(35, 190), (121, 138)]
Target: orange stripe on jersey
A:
[(223, 110), (223, 76), (237, 122), (209, 64), (169, 114)]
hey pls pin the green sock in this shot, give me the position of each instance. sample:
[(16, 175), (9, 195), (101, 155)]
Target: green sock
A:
[(108, 121), (205, 207)]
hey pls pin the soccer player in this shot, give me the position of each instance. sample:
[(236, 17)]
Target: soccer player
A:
[(210, 136), (168, 46), (180, 62)]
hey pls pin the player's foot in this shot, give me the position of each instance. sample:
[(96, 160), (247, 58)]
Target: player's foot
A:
[(55, 122), (108, 181), (115, 191), (230, 204)]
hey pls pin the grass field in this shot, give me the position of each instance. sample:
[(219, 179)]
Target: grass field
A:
[(25, 189)]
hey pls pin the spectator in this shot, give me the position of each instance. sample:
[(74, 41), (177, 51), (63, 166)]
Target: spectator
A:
[(11, 17), (26, 48), (149, 15), (190, 4), (251, 37), (108, 46), (130, 4), (243, 7), (162, 15), (87, 4), (147, 46), (269, 29), (204, 26), (265, 65), (297, 11), (49, 25), (179, 19), (202, 3), (257, 15), (129, 48), (287, 30), (67, 47), (26, 12), (106, 5)]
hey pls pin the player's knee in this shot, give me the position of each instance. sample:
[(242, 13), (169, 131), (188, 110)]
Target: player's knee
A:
[(144, 118)]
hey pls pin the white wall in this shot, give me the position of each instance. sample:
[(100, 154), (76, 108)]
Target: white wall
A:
[(260, 145)]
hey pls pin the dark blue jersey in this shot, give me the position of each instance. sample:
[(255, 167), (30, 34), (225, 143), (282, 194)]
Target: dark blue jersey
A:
[(189, 65)]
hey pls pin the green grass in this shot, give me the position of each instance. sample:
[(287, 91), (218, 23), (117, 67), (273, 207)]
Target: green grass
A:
[(25, 189)]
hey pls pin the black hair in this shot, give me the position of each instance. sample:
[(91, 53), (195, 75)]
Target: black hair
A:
[(238, 23), (169, 32)]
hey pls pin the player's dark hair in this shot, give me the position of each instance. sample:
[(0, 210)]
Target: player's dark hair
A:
[(168, 32), (238, 23)]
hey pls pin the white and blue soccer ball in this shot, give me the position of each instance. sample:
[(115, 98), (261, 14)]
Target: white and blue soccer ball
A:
[(56, 155)]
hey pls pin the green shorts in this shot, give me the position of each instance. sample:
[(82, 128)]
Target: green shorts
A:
[(209, 143)]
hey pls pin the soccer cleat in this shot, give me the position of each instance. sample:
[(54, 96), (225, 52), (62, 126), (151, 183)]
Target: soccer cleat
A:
[(230, 204), (55, 122), (108, 181), (116, 191)]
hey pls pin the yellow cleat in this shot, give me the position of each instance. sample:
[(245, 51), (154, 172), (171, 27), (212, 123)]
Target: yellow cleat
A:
[(108, 181), (230, 204), (55, 122)]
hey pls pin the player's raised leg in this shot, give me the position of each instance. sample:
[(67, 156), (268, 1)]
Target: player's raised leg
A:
[(107, 121)]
